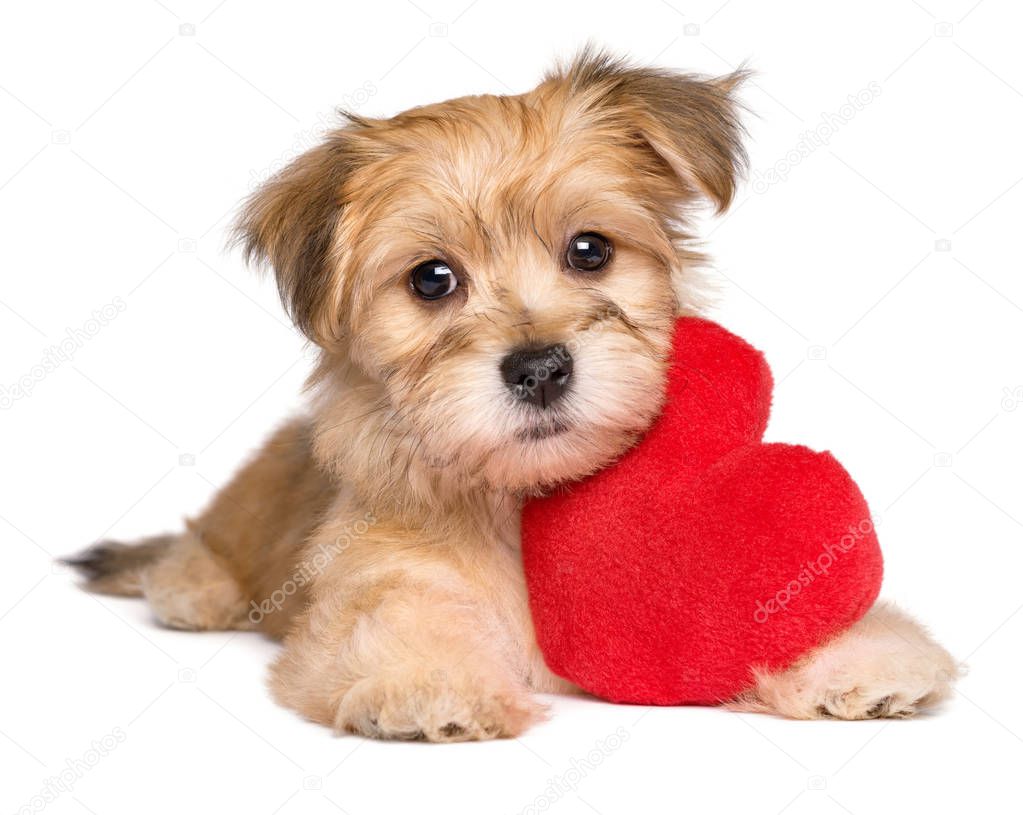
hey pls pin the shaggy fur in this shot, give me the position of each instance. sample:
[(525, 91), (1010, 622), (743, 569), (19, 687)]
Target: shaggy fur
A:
[(378, 535)]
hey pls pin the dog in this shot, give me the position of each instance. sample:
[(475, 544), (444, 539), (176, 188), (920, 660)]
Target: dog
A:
[(450, 265)]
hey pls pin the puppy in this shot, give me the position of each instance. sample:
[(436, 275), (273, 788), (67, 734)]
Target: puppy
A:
[(491, 283)]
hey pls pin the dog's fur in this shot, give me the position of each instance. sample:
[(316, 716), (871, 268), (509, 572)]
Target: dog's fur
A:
[(378, 535)]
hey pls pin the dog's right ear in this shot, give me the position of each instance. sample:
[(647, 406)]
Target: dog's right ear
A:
[(290, 222), (692, 123)]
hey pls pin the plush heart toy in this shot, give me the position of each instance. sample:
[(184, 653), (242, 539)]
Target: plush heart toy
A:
[(703, 552)]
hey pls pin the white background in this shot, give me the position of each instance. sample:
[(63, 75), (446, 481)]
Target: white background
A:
[(881, 276)]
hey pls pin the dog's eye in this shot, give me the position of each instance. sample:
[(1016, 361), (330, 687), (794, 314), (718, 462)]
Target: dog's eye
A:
[(433, 280), (588, 252)]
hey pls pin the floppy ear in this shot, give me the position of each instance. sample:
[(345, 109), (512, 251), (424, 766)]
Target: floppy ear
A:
[(691, 122), (289, 223)]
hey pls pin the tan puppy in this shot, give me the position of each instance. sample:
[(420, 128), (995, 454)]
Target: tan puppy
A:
[(492, 283)]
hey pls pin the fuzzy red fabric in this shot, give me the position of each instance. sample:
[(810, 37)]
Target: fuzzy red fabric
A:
[(703, 552)]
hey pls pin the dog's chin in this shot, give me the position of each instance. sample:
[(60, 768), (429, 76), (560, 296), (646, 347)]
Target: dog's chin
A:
[(543, 455)]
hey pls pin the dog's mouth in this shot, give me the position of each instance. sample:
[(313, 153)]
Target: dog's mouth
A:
[(544, 430)]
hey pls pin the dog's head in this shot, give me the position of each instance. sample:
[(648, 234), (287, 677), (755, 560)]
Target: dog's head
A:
[(493, 280)]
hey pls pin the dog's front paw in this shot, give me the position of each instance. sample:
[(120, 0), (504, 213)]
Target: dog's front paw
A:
[(885, 666), (436, 706)]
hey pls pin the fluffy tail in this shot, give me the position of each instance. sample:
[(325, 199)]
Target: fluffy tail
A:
[(116, 568)]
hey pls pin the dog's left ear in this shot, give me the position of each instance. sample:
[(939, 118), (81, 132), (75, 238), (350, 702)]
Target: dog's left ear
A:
[(692, 123)]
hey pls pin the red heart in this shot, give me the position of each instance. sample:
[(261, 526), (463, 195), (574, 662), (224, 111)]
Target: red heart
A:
[(703, 552)]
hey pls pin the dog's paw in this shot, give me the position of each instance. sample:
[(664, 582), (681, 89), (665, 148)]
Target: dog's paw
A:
[(437, 706), (897, 698), (884, 666)]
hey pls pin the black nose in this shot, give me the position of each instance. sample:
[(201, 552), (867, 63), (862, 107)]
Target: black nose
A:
[(539, 377)]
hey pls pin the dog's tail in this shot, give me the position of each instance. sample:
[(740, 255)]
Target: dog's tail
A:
[(110, 567)]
